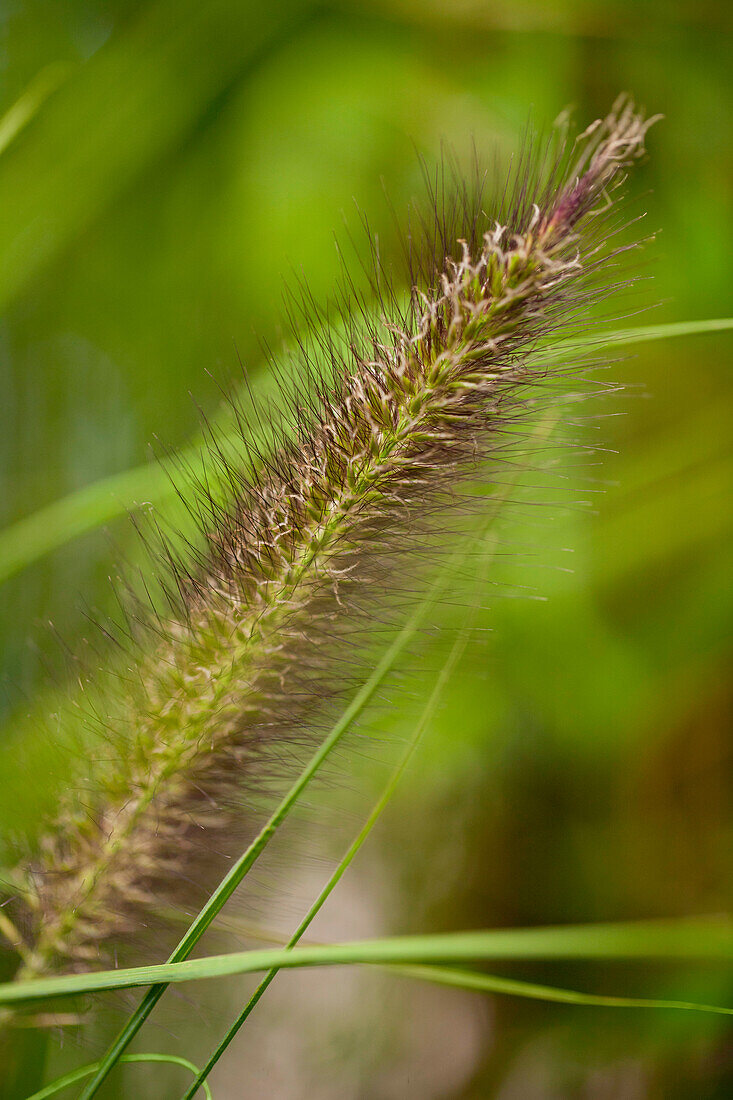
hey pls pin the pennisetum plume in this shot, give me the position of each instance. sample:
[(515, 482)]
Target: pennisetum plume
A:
[(412, 403)]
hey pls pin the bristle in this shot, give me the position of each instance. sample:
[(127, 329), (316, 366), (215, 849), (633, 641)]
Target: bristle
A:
[(411, 402)]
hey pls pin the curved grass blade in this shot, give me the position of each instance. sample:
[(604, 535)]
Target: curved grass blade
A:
[(689, 940), (643, 334), (84, 1071), (17, 117), (29, 539), (456, 979), (492, 983)]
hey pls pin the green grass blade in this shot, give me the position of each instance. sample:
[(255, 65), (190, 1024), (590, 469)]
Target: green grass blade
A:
[(690, 940), (491, 983), (17, 117), (237, 873), (29, 539), (643, 334), (85, 1071)]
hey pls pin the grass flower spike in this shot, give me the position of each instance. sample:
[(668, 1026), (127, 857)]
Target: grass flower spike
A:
[(410, 406)]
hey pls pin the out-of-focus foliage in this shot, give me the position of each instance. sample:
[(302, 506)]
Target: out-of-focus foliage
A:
[(172, 162)]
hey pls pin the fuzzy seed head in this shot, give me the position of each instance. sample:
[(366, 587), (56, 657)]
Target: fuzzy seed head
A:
[(415, 401)]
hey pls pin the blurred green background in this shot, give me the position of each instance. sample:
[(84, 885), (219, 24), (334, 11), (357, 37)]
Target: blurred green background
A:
[(162, 167)]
